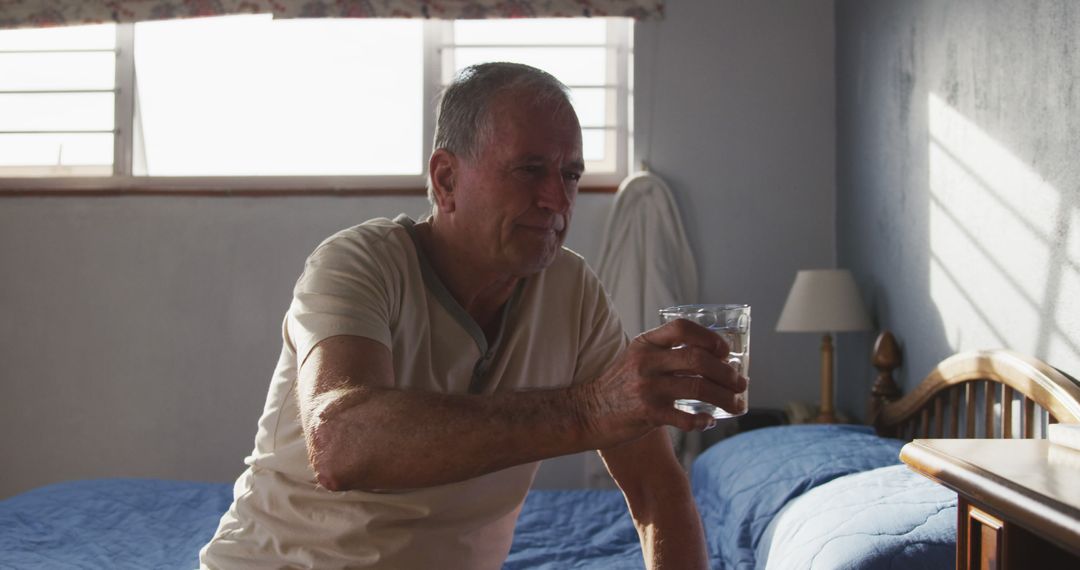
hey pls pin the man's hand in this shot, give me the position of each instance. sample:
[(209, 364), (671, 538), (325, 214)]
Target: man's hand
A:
[(639, 391)]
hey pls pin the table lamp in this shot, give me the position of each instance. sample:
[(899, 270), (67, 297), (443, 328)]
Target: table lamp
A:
[(825, 301)]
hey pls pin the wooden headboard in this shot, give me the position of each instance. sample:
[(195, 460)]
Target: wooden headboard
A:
[(985, 394)]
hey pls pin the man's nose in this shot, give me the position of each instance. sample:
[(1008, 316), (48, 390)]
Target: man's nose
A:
[(554, 194)]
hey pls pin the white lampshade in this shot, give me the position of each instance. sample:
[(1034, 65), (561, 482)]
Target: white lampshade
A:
[(824, 300)]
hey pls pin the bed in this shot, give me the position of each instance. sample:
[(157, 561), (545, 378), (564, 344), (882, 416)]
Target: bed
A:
[(823, 496)]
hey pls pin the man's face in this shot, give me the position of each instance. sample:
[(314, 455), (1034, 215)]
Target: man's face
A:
[(513, 202)]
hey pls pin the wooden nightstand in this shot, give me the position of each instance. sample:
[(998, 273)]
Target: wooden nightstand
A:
[(1018, 506)]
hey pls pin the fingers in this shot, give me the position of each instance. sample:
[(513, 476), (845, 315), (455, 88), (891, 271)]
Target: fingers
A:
[(684, 332), (694, 361), (684, 360), (685, 348), (696, 388), (652, 374)]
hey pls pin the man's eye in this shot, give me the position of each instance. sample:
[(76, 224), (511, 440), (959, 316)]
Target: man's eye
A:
[(573, 176)]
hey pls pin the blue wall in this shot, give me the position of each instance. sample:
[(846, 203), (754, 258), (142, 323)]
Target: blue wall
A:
[(958, 133)]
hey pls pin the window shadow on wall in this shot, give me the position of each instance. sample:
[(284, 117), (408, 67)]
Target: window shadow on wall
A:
[(1004, 244)]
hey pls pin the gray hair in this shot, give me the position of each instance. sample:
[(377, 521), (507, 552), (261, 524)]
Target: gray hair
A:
[(463, 119)]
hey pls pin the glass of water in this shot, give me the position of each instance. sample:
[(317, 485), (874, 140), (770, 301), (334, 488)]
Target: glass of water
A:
[(732, 322)]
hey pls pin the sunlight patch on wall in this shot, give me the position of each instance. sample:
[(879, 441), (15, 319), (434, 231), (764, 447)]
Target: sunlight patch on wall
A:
[(998, 263)]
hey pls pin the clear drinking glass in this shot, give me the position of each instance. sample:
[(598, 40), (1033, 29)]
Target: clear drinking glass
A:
[(732, 322)]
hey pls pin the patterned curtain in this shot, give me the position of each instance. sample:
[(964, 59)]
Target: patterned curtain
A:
[(42, 13)]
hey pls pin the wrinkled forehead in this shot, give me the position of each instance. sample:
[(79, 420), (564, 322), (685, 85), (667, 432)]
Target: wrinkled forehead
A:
[(528, 118)]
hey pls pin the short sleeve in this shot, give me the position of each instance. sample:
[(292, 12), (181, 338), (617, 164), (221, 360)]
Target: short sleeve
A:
[(346, 288), (602, 334)]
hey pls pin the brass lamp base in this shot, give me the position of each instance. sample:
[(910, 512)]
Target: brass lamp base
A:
[(826, 414)]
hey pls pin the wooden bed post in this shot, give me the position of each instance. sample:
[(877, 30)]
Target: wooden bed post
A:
[(886, 358)]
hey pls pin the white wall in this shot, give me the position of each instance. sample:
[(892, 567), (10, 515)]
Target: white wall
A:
[(139, 333)]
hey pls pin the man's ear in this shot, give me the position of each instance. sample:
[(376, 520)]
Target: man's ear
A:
[(442, 169)]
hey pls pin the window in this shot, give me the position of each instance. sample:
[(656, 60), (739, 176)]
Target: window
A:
[(589, 55), (57, 101), (294, 97), (253, 102)]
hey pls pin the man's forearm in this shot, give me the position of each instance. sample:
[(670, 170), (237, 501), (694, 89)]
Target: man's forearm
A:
[(377, 438), (660, 501), (672, 537)]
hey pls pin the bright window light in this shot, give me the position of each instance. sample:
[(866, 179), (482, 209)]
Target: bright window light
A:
[(57, 101), (253, 96), (250, 102)]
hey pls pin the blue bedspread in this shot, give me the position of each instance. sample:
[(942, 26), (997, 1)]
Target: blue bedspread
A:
[(742, 482), (575, 529), (142, 524), (111, 523), (888, 518), (800, 476)]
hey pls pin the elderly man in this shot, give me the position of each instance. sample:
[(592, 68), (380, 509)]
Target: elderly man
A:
[(428, 366)]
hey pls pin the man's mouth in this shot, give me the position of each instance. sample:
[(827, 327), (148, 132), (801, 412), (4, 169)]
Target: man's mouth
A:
[(555, 225)]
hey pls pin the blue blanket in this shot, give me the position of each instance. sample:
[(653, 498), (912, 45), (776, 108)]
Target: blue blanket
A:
[(743, 481), (887, 518), (740, 484), (111, 523), (575, 529), (140, 524)]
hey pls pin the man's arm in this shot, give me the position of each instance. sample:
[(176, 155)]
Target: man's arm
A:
[(364, 434), (660, 501)]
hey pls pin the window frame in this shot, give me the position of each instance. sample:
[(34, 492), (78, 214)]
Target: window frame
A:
[(438, 36)]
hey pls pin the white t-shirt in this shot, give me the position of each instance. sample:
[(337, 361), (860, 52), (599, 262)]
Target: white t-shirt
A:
[(370, 280)]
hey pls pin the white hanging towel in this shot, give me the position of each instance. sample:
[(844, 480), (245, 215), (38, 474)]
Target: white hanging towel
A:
[(645, 260)]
